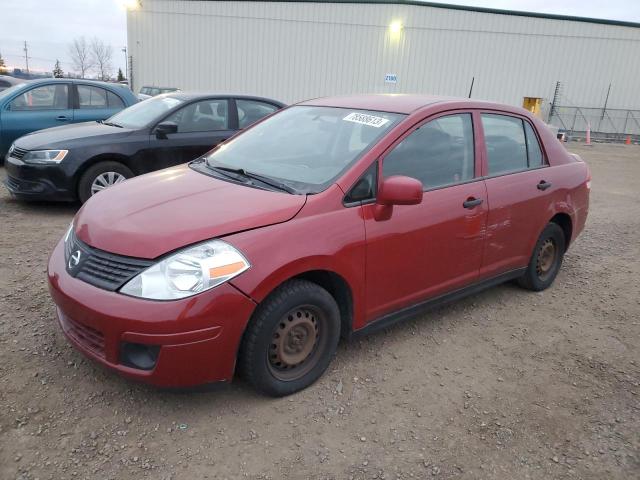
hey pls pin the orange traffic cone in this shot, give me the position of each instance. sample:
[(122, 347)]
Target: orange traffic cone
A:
[(628, 140), (588, 134)]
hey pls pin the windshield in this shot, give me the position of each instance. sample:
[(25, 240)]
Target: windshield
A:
[(143, 113), (307, 147)]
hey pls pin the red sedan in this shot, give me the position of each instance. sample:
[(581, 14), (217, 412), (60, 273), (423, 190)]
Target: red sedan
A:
[(331, 218)]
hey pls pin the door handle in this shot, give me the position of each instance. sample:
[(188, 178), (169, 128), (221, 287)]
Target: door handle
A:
[(471, 202), (543, 185), (62, 118)]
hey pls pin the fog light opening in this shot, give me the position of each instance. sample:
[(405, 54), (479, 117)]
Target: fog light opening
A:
[(138, 355)]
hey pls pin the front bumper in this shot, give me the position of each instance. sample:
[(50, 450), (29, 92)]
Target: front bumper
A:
[(198, 337), (38, 182)]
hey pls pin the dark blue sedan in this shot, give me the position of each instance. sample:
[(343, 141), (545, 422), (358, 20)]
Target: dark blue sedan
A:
[(51, 102)]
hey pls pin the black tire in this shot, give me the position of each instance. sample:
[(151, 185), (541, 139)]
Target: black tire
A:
[(295, 307), (544, 266), (88, 177)]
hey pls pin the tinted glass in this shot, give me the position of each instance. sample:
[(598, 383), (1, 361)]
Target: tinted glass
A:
[(438, 153), (144, 113), (114, 100), (204, 116), (92, 97), (506, 147), (250, 111), (45, 97), (305, 146), (533, 147)]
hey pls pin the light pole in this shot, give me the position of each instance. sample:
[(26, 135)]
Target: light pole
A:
[(126, 66)]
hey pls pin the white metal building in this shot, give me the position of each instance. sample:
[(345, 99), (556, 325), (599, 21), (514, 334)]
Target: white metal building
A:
[(297, 50)]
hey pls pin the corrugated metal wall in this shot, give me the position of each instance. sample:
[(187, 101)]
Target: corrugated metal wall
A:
[(295, 51)]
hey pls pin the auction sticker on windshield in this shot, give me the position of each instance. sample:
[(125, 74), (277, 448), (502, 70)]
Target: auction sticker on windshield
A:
[(365, 119)]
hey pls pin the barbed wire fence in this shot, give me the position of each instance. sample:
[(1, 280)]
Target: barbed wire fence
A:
[(606, 124)]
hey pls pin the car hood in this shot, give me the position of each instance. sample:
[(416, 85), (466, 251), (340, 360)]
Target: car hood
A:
[(71, 136), (154, 214)]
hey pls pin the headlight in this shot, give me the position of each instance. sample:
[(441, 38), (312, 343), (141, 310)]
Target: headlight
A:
[(45, 156), (190, 271)]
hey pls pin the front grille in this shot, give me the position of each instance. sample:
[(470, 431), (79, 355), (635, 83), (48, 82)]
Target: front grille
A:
[(18, 153), (99, 268), (13, 183), (86, 336)]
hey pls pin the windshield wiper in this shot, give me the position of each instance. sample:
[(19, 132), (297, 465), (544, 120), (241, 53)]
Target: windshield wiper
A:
[(256, 176)]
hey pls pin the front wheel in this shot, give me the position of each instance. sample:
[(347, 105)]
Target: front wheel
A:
[(546, 259), (101, 176), (291, 339)]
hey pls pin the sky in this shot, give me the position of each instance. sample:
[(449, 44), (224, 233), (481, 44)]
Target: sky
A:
[(48, 26)]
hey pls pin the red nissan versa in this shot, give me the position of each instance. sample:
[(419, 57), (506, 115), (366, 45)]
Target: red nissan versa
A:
[(331, 218)]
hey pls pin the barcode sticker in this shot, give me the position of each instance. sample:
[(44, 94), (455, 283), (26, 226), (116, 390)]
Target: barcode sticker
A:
[(365, 119)]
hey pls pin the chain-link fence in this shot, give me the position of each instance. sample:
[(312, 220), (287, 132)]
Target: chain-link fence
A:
[(609, 125)]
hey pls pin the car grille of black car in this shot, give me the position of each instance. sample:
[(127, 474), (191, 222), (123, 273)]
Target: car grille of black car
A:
[(18, 153), (99, 268)]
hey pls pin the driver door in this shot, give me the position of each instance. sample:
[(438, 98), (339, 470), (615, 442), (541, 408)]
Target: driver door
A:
[(201, 126), (422, 251)]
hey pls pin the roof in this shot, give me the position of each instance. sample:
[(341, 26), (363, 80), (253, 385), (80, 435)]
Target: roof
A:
[(188, 96), (467, 8), (384, 102)]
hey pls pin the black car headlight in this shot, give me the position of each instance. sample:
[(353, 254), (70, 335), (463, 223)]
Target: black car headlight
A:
[(45, 156)]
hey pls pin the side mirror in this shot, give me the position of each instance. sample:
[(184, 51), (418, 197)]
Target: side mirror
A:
[(165, 128), (400, 190)]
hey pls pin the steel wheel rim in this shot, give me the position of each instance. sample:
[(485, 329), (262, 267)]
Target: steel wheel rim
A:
[(296, 343), (546, 259), (106, 180)]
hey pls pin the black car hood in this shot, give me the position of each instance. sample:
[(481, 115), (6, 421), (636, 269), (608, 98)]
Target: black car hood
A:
[(72, 136)]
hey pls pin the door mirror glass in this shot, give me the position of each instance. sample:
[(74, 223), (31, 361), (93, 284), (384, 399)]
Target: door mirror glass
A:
[(165, 128), (400, 190)]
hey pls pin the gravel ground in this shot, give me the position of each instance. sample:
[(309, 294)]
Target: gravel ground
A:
[(506, 384)]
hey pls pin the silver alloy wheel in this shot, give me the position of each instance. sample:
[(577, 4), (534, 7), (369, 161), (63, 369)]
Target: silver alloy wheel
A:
[(106, 180)]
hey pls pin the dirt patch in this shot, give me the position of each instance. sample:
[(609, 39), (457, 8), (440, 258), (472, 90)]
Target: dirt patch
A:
[(504, 384)]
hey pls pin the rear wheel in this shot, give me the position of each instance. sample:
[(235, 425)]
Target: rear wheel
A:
[(546, 259), (101, 176), (291, 339)]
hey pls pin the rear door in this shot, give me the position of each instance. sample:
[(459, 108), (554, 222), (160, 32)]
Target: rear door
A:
[(40, 107), (424, 250), (519, 188), (95, 103), (201, 126)]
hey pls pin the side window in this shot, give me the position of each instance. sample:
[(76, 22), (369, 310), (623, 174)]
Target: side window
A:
[(438, 153), (365, 188), (91, 97), (534, 151), (203, 116), (114, 100), (250, 111), (45, 97), (506, 146)]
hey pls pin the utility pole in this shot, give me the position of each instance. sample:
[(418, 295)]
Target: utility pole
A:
[(126, 65), (26, 55)]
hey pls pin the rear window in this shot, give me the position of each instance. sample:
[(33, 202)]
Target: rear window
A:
[(506, 145)]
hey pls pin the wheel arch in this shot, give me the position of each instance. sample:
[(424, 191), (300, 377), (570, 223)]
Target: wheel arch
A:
[(564, 221), (102, 157)]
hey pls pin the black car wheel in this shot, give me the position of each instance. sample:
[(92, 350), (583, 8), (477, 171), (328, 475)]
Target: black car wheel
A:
[(100, 176), (291, 339), (546, 259)]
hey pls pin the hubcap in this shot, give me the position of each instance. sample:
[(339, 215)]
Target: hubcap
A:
[(106, 180), (546, 259), (294, 343)]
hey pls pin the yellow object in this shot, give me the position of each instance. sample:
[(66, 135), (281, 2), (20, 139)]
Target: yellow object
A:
[(533, 104)]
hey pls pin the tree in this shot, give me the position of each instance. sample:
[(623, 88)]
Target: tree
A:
[(120, 75), (57, 70), (102, 55), (81, 56), (3, 66)]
